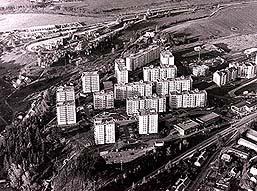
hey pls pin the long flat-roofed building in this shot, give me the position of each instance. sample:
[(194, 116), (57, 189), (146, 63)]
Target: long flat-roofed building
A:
[(103, 99), (165, 87), (188, 99), (167, 58), (208, 119), (153, 74), (147, 122), (121, 71), (135, 104), (123, 91), (65, 105), (143, 57), (90, 82), (104, 131), (187, 127)]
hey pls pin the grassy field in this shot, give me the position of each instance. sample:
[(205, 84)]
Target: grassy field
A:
[(241, 19)]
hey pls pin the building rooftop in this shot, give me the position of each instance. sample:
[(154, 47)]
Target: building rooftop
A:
[(166, 53), (65, 88), (143, 51), (103, 120), (154, 96), (208, 117), (176, 79), (189, 124), (148, 112), (103, 92), (90, 73), (195, 91)]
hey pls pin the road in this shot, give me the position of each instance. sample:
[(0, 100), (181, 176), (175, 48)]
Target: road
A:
[(232, 92), (205, 144)]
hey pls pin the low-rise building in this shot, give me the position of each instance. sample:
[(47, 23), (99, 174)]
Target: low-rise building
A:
[(167, 58), (179, 84), (103, 99), (143, 57), (188, 99), (135, 104), (244, 108), (153, 74), (208, 119), (147, 122), (123, 91), (187, 127), (104, 131)]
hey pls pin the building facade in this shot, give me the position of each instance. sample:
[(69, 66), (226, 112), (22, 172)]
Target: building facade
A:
[(103, 99), (167, 58), (143, 57), (188, 99), (123, 91), (246, 70), (65, 105), (104, 131), (90, 82), (135, 104), (121, 71), (147, 122), (200, 70), (165, 87), (153, 74), (224, 76)]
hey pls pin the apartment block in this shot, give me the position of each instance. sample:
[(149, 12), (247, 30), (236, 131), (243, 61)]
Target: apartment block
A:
[(148, 122), (121, 71), (246, 70), (200, 70), (167, 58), (135, 104), (90, 82), (104, 131), (179, 84), (153, 74), (224, 76), (188, 99), (123, 91), (65, 105), (143, 57), (103, 99)]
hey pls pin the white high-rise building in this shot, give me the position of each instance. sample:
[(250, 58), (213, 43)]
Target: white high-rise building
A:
[(153, 74), (147, 122), (143, 57), (65, 105), (90, 82), (123, 91), (200, 70), (121, 71), (245, 69), (103, 99), (135, 104), (224, 76), (179, 84), (167, 57), (188, 99), (104, 131)]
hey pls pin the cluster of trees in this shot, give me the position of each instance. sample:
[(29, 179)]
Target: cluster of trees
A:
[(28, 153)]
